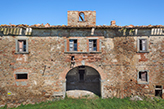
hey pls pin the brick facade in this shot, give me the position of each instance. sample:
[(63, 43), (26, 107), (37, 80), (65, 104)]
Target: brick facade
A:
[(118, 59)]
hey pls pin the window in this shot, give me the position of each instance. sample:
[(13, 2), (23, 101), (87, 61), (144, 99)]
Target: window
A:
[(142, 45), (72, 45), (22, 76), (92, 45), (81, 17), (143, 77), (158, 91), (21, 46)]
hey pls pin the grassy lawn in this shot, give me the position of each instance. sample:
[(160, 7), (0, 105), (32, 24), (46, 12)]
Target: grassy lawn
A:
[(98, 103)]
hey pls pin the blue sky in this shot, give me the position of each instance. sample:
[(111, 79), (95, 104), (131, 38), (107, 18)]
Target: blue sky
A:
[(124, 12)]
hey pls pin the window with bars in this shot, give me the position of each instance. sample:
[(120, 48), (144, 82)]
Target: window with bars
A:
[(72, 45), (92, 45)]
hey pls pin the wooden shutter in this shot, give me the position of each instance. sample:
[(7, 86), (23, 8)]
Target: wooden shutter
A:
[(90, 45), (143, 76)]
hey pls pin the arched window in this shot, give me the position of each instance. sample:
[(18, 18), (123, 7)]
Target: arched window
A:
[(81, 17)]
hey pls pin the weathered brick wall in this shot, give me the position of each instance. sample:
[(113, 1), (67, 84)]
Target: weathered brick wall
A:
[(48, 62)]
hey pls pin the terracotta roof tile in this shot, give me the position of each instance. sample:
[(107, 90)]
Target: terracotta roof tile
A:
[(88, 26)]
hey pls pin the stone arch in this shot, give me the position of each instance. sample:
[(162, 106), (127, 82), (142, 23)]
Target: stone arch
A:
[(62, 76)]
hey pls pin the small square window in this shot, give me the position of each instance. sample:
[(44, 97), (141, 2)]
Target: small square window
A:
[(142, 45), (92, 45), (21, 46), (72, 45), (143, 77), (22, 76)]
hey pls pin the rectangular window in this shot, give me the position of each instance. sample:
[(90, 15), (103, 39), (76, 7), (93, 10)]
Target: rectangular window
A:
[(72, 45), (158, 91), (22, 76), (21, 46), (92, 45), (143, 77), (142, 45)]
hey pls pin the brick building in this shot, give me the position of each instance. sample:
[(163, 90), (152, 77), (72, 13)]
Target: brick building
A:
[(41, 61)]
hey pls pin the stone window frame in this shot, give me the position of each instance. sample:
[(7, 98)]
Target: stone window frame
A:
[(15, 74), (16, 46), (143, 82), (138, 45)]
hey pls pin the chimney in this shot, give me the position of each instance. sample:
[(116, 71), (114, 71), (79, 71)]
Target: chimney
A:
[(113, 23)]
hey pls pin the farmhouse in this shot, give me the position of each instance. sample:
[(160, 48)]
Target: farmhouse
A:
[(38, 62)]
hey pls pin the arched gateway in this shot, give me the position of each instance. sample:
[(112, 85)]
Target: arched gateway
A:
[(76, 78), (83, 79)]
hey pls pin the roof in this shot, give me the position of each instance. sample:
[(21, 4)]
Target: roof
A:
[(66, 27)]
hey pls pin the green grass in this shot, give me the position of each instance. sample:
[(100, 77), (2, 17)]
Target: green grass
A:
[(98, 103)]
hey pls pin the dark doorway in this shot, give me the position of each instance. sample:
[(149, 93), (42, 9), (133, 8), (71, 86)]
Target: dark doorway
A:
[(83, 78), (81, 75)]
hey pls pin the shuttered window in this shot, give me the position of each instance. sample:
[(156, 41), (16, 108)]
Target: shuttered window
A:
[(72, 45)]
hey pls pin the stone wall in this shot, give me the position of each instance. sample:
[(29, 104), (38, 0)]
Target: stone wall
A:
[(89, 18), (48, 61)]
